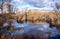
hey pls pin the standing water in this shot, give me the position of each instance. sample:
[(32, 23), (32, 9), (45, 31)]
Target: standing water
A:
[(42, 29)]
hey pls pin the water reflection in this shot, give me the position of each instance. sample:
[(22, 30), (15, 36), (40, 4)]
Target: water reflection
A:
[(42, 29), (6, 24), (15, 24)]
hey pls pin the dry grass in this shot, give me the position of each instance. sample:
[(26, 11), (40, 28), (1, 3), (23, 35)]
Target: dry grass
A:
[(18, 36), (34, 17)]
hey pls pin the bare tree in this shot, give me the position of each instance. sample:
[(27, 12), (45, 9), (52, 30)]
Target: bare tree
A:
[(56, 7), (5, 6), (0, 8)]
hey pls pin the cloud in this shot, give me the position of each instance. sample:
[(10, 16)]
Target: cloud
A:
[(39, 3), (20, 1), (35, 3)]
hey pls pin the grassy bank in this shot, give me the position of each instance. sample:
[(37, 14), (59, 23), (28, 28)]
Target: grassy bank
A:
[(33, 17)]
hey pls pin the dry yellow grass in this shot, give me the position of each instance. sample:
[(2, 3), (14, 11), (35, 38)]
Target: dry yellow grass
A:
[(34, 17)]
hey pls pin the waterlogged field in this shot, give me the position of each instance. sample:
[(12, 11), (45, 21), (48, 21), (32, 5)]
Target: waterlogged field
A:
[(29, 30), (37, 26)]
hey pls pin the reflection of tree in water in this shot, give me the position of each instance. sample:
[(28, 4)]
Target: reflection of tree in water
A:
[(49, 20)]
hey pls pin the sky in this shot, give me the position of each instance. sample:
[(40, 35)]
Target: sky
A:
[(44, 4), (32, 4)]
